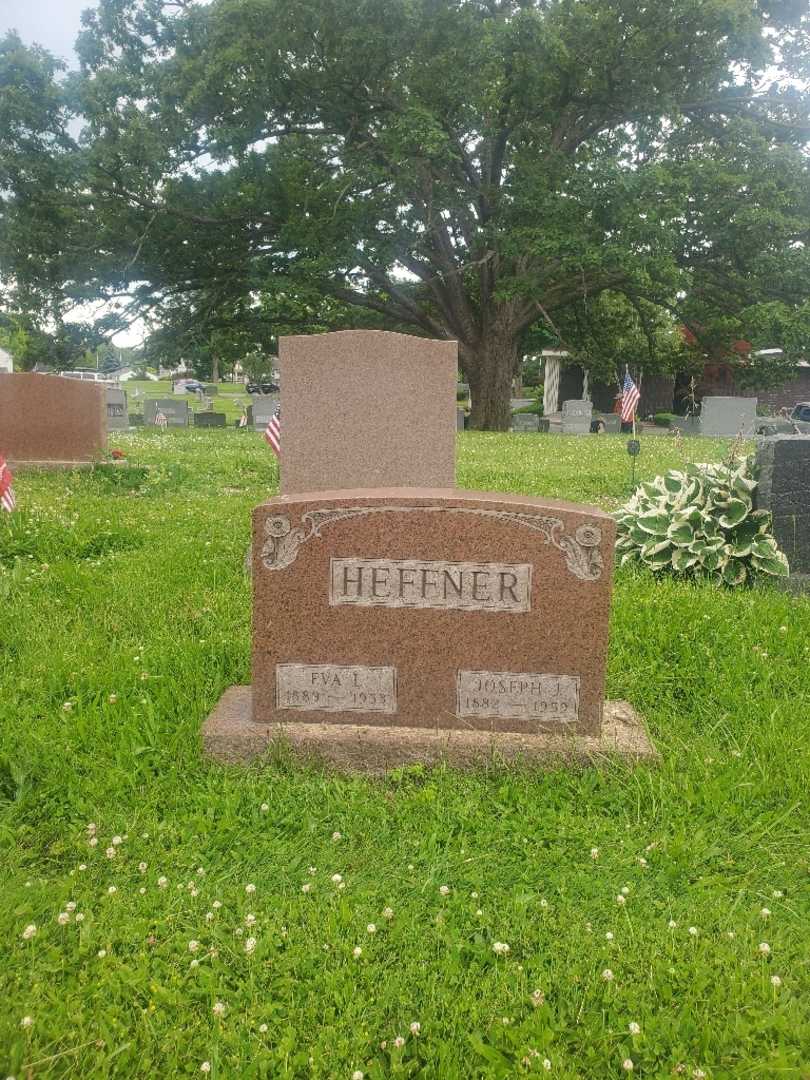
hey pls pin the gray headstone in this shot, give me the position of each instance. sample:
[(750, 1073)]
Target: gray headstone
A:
[(117, 412), (576, 417), (211, 390), (728, 416), (459, 419), (543, 424), (209, 419), (784, 490), (176, 412), (525, 422), (264, 406), (611, 422), (520, 402)]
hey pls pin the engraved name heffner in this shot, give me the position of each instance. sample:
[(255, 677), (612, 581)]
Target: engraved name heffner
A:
[(336, 688), (413, 583), (518, 694)]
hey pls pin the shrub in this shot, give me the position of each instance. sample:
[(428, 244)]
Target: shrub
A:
[(700, 523), (664, 419), (536, 406)]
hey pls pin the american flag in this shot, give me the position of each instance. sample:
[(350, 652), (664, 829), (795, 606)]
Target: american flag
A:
[(630, 398), (7, 500), (161, 419), (272, 433)]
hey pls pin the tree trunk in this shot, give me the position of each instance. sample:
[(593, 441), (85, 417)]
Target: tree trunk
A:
[(489, 367), (215, 368)]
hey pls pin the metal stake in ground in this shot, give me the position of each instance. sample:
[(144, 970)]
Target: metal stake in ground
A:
[(633, 449)]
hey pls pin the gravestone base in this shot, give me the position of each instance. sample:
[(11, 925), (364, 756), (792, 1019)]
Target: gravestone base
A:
[(230, 735)]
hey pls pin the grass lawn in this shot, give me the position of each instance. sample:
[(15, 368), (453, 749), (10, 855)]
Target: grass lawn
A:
[(194, 941)]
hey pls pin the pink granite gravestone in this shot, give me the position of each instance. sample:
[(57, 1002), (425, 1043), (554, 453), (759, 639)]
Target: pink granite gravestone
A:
[(50, 421), (396, 620)]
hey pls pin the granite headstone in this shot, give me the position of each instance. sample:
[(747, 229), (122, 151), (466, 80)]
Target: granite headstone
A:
[(117, 411), (50, 420), (176, 412), (576, 417)]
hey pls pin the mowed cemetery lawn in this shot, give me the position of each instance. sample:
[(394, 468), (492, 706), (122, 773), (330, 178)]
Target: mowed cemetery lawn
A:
[(285, 921)]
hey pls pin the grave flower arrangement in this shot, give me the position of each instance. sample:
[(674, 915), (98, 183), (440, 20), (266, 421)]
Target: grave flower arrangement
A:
[(700, 523)]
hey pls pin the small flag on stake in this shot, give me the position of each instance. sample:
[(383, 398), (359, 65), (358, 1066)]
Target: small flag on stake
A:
[(272, 432), (161, 419), (630, 399), (243, 419), (7, 500)]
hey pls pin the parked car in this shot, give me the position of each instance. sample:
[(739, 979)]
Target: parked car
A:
[(262, 388), (801, 411), (193, 386)]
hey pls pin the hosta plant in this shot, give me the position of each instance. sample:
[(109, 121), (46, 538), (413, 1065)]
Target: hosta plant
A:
[(700, 522)]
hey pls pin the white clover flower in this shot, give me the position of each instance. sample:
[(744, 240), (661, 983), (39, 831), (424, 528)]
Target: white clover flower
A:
[(609, 935), (415, 1028), (239, 931), (594, 853), (101, 953), (82, 866), (634, 1028), (93, 841), (474, 895), (776, 981), (194, 964), (193, 892), (142, 891), (410, 866), (200, 871), (388, 913), (112, 890), (116, 841), (730, 934), (193, 945), (70, 906), (764, 948), (621, 899), (538, 998), (479, 912), (444, 890), (219, 1008), (68, 705), (205, 1067), (264, 807), (63, 918), (27, 1022), (112, 698), (544, 903), (250, 945), (250, 920), (358, 1074), (162, 882), (547, 1064), (371, 928), (262, 1029), (627, 1064), (699, 1074), (337, 878), (500, 948), (642, 862), (777, 894), (312, 870), (335, 837), (607, 975), (209, 915), (765, 912), (306, 887), (625, 891), (342, 885), (29, 931), (692, 931), (250, 889), (672, 924), (399, 1042), (217, 904), (79, 916), (357, 952), (111, 852), (91, 827)]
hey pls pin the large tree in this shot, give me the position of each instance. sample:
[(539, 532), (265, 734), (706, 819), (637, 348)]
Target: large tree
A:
[(461, 167)]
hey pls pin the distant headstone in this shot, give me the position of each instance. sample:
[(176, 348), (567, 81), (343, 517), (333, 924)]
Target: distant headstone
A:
[(336, 386), (117, 411), (49, 419), (525, 422), (784, 490), (136, 419), (176, 412), (263, 408), (611, 423), (576, 417), (210, 419), (211, 390), (520, 403), (459, 419), (728, 416)]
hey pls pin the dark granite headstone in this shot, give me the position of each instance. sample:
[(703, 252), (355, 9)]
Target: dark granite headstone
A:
[(209, 419), (176, 412), (525, 422), (117, 414), (784, 490)]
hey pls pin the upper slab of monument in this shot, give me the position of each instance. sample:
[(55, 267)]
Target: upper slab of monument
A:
[(367, 408)]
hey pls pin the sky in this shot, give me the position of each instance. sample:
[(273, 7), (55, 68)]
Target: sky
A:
[(53, 24)]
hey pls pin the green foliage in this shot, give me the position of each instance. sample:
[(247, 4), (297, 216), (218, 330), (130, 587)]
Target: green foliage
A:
[(664, 419), (700, 523)]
